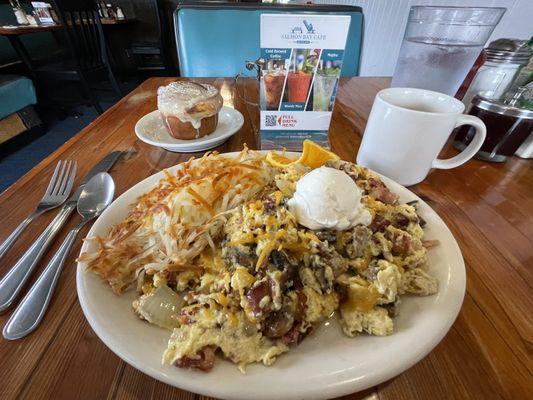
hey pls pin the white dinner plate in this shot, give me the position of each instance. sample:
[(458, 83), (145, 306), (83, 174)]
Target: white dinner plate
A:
[(151, 129), (326, 364)]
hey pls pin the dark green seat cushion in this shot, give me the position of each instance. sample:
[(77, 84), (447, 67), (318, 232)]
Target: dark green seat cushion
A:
[(16, 92)]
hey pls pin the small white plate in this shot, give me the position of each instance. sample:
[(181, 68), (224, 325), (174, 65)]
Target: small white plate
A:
[(326, 364), (151, 129)]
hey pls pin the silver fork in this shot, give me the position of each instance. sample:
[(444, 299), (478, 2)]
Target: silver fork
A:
[(56, 193)]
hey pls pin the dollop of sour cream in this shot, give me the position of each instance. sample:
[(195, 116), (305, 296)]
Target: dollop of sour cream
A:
[(327, 198)]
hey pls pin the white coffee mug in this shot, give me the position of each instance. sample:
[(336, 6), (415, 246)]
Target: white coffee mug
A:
[(406, 130)]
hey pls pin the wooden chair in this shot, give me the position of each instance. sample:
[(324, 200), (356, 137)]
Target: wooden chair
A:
[(87, 47), (150, 52)]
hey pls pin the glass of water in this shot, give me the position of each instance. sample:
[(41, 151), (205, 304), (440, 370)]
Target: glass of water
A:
[(441, 44)]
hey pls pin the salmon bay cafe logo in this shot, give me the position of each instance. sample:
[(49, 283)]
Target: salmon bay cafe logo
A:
[(304, 34)]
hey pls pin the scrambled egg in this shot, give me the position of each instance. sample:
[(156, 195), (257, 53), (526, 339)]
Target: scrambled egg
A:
[(238, 339), (262, 282)]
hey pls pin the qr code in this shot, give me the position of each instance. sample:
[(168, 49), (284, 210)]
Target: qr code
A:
[(270, 120)]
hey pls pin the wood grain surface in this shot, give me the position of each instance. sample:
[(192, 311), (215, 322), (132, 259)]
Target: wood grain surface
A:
[(488, 207), (26, 29)]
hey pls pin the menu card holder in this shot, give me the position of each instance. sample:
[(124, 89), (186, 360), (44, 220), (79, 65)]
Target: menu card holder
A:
[(303, 57)]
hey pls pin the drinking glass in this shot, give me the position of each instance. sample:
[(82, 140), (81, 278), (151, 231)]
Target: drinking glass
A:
[(249, 98), (322, 91), (441, 44), (273, 81), (298, 84)]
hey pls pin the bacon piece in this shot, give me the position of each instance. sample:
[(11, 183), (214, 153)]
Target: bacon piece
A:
[(269, 205), (401, 245), (255, 295), (295, 336), (349, 168), (278, 323), (379, 191), (379, 224), (301, 305), (292, 336), (401, 221), (204, 361)]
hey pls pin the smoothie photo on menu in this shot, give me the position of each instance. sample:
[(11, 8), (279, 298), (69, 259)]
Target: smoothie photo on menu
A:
[(324, 84), (273, 81), (299, 78)]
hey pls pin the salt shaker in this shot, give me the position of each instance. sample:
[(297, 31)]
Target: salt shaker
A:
[(504, 58)]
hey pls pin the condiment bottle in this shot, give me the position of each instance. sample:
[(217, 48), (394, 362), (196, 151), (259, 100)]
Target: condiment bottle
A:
[(19, 12), (31, 19), (120, 13), (526, 74), (522, 86), (53, 13), (480, 60), (110, 11), (508, 127), (102, 8), (504, 57)]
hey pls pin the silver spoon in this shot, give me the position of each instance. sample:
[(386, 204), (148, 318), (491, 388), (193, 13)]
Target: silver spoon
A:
[(97, 194)]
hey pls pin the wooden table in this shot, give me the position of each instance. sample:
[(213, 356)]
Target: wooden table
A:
[(488, 207), (13, 34), (16, 30), (112, 21)]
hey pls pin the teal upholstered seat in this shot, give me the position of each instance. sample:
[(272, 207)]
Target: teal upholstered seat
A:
[(16, 92), (214, 39)]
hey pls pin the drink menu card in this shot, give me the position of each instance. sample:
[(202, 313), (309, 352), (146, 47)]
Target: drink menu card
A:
[(42, 10), (303, 59)]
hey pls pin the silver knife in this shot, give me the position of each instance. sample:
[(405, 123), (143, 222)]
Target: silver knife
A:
[(13, 282)]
